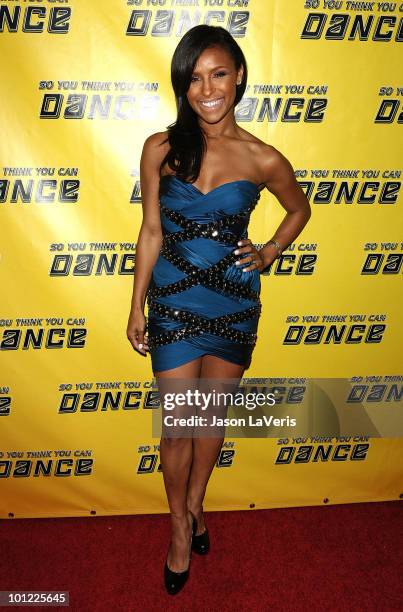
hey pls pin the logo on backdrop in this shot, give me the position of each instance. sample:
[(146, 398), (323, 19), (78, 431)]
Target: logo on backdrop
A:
[(5, 400), (390, 106), (44, 463), (35, 19), (373, 390), (382, 258), (283, 102), (170, 22), (365, 21), (334, 329), (350, 186), (302, 450), (39, 185), (92, 258), (42, 333), (102, 100), (107, 396)]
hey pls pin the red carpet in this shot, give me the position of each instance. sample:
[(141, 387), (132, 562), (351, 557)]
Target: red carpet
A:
[(342, 557)]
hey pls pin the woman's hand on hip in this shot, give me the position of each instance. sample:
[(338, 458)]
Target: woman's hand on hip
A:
[(254, 258)]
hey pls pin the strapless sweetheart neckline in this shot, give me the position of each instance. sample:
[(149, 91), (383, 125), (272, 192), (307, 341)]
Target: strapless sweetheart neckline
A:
[(173, 176)]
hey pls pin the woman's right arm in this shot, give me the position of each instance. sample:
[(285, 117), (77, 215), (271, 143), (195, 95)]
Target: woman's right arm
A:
[(149, 240)]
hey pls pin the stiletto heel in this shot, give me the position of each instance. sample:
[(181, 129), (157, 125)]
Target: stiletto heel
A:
[(175, 581), (201, 542)]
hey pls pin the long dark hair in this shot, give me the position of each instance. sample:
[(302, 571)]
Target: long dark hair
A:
[(186, 138)]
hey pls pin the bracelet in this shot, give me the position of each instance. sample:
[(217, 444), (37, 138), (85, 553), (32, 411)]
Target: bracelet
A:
[(276, 244)]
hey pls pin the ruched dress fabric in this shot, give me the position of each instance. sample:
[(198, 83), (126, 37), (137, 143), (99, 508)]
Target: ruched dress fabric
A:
[(199, 301)]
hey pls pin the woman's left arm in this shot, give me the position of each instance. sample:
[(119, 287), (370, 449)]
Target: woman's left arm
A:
[(281, 181)]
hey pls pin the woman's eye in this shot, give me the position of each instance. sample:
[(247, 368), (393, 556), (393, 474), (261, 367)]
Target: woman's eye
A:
[(219, 74)]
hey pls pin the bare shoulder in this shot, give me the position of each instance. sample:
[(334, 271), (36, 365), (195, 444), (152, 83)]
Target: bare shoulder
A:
[(156, 146), (270, 161), (154, 150), (156, 139), (274, 164)]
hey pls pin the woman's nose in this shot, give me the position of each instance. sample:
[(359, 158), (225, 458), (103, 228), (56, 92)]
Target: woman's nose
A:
[(206, 87)]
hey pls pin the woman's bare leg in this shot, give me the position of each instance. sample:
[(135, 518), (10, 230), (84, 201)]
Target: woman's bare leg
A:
[(176, 458), (206, 450)]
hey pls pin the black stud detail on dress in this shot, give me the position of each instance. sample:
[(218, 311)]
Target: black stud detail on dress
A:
[(211, 277), (196, 325), (222, 230), (212, 230)]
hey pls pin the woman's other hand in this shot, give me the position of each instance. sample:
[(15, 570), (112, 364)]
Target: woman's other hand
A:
[(136, 331)]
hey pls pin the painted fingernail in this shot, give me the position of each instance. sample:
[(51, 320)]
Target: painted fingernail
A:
[(237, 262), (236, 251), (140, 346), (240, 242)]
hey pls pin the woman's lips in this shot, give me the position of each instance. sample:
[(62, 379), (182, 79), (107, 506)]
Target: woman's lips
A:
[(212, 104)]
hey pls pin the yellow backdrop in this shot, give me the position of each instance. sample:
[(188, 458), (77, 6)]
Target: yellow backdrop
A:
[(82, 88)]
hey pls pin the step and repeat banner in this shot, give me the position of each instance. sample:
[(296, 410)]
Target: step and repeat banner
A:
[(83, 85)]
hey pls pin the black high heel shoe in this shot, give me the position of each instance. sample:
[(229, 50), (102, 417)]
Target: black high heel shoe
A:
[(175, 581), (200, 543)]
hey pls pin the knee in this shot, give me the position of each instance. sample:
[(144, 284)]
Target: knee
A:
[(175, 443)]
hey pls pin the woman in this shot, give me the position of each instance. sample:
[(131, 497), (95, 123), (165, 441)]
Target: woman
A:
[(200, 180)]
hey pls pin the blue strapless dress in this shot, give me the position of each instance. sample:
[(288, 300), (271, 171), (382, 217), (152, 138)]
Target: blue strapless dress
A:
[(199, 301)]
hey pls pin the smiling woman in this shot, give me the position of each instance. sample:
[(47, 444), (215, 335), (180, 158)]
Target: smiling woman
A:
[(196, 265), (209, 77)]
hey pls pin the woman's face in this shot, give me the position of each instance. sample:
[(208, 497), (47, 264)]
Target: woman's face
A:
[(212, 89)]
